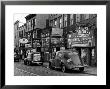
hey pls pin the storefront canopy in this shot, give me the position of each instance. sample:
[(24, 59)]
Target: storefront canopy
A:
[(57, 32)]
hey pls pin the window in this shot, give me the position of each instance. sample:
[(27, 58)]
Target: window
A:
[(71, 19), (77, 17), (35, 21), (32, 23), (86, 16), (65, 20), (55, 23), (29, 25), (61, 22)]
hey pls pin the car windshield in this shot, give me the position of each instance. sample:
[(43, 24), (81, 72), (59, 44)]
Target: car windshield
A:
[(73, 56)]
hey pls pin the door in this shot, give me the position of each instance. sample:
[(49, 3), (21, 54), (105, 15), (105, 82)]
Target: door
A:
[(85, 55)]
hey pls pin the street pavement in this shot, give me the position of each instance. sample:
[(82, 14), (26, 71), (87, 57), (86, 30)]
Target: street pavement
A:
[(23, 70)]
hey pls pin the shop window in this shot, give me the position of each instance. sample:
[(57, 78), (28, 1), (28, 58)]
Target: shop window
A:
[(93, 52)]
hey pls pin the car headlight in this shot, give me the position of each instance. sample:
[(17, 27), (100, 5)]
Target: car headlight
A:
[(69, 60)]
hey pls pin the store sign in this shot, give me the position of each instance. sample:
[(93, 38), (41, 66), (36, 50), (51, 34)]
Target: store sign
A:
[(82, 38), (23, 41)]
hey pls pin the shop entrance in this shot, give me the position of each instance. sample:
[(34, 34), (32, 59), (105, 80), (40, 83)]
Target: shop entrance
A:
[(86, 56)]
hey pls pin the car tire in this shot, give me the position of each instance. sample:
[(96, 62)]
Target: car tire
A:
[(63, 68), (81, 69), (29, 63)]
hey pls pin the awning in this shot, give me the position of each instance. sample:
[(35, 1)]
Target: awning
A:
[(57, 32)]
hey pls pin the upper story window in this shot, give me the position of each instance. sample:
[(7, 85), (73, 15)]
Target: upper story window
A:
[(71, 19), (32, 23), (61, 22), (35, 20), (29, 25), (86, 16), (77, 17), (55, 22), (65, 20)]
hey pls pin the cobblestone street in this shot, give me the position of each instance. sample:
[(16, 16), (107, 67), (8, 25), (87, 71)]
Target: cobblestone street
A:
[(22, 70)]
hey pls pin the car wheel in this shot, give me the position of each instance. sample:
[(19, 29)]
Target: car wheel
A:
[(63, 68), (29, 63), (81, 69)]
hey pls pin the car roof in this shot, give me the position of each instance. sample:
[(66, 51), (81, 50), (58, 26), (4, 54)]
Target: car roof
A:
[(74, 52), (67, 51)]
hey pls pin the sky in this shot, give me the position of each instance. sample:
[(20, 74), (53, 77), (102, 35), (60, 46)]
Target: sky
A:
[(20, 17)]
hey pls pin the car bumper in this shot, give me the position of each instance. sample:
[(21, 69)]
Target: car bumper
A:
[(75, 67)]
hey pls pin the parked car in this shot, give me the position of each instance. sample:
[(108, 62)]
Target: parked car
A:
[(16, 57), (33, 58), (66, 59)]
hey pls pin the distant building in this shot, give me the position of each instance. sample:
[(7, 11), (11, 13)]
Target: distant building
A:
[(16, 34), (22, 30)]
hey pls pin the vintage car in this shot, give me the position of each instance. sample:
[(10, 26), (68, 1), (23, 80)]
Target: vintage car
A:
[(33, 58), (66, 59), (16, 57)]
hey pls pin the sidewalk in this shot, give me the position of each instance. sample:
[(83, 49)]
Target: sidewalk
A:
[(89, 70)]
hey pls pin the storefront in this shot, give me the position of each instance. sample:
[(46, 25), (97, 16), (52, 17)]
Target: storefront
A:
[(83, 41), (45, 44), (57, 40)]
